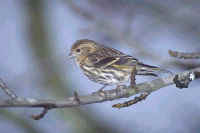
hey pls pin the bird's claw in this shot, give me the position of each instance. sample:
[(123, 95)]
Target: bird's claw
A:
[(76, 97)]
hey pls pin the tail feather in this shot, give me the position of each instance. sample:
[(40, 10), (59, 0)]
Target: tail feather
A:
[(148, 70)]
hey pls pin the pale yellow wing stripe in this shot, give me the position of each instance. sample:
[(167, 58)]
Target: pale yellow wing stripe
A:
[(111, 63)]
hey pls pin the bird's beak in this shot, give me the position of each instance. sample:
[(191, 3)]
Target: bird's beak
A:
[(70, 56)]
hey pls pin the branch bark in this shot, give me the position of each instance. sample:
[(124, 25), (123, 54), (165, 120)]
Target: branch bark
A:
[(183, 55), (107, 95)]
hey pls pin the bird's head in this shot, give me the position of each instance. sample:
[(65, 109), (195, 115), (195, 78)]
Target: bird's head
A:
[(82, 48)]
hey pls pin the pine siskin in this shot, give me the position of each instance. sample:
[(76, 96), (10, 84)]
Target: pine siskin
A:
[(108, 66)]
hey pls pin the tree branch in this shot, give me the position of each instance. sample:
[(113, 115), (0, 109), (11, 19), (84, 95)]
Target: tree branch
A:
[(106, 95), (182, 55), (97, 97)]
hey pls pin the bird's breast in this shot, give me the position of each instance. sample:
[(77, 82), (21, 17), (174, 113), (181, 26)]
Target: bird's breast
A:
[(107, 76)]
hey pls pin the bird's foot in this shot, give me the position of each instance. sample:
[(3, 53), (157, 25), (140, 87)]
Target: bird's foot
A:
[(132, 78), (76, 97), (100, 92), (101, 89)]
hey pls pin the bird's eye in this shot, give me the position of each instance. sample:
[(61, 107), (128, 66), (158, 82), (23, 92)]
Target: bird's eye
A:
[(78, 50)]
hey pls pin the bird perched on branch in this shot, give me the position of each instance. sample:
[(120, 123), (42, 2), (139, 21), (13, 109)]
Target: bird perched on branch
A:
[(108, 66)]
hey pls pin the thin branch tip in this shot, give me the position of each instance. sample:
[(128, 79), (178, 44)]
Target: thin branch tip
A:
[(41, 115), (183, 55), (7, 90)]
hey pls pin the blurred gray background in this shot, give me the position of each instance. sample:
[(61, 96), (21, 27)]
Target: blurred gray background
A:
[(36, 36)]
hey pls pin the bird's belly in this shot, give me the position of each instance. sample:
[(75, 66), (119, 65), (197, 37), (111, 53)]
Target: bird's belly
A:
[(106, 76)]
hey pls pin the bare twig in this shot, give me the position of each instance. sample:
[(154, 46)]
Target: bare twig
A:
[(41, 115), (108, 95), (8, 91), (182, 55), (143, 96)]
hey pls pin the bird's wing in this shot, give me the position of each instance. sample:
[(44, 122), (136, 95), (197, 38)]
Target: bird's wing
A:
[(107, 61), (106, 57), (125, 62), (118, 62)]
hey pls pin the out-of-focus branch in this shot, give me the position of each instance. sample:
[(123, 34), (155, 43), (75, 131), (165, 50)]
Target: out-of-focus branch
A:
[(108, 95), (110, 29), (50, 71), (183, 55), (20, 121), (9, 92)]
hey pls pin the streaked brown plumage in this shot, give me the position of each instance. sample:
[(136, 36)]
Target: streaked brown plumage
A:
[(106, 65)]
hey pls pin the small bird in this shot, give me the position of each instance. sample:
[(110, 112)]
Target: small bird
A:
[(108, 66)]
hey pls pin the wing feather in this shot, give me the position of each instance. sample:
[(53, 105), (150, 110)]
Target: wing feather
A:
[(106, 57)]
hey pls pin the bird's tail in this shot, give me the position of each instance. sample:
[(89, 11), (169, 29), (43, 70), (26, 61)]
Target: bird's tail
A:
[(143, 69)]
